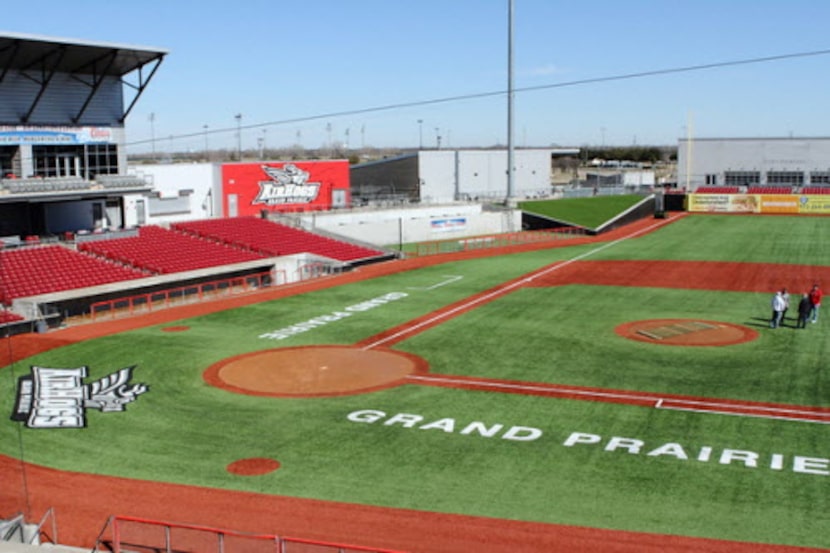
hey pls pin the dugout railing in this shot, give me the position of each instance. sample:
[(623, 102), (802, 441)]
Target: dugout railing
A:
[(126, 534), (160, 299)]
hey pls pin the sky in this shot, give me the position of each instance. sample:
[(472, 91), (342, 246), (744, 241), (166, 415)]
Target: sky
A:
[(429, 73)]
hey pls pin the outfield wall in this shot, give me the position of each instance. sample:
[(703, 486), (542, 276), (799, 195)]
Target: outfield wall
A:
[(417, 224), (791, 204)]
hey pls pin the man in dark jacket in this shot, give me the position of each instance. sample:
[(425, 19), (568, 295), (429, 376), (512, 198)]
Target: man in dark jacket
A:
[(805, 307)]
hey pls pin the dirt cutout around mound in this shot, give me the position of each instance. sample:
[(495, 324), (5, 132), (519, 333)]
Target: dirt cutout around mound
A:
[(686, 332), (313, 371)]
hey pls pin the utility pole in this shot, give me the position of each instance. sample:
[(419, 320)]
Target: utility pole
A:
[(152, 119), (510, 98), (238, 118), (207, 155)]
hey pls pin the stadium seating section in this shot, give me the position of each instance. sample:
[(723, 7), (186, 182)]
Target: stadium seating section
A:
[(9, 317), (811, 190), (717, 190), (770, 190), (274, 239), (166, 251), (45, 269), (41, 269)]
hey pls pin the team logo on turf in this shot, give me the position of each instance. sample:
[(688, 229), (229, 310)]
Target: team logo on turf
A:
[(58, 398), (288, 185)]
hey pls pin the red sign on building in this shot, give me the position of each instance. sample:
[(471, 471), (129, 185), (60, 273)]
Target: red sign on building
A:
[(249, 188)]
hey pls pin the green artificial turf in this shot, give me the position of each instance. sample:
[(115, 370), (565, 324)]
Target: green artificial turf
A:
[(186, 431), (751, 239), (585, 212)]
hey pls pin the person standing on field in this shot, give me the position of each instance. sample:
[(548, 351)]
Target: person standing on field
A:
[(777, 310), (815, 298), (805, 308), (786, 296)]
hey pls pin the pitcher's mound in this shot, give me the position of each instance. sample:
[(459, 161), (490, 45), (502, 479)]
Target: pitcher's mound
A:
[(686, 332), (313, 371)]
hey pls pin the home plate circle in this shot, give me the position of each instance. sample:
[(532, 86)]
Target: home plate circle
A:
[(313, 371)]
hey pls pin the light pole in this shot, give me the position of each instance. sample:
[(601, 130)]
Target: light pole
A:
[(238, 118), (420, 134), (153, 133), (207, 155), (437, 138)]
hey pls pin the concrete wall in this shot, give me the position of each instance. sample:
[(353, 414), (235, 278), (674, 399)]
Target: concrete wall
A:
[(400, 226), (186, 191)]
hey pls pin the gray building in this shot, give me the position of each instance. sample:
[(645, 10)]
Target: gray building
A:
[(772, 162), (440, 176)]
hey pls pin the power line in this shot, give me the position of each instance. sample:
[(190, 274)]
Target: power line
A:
[(478, 95)]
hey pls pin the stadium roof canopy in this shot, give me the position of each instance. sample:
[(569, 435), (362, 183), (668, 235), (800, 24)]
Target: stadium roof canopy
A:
[(40, 58)]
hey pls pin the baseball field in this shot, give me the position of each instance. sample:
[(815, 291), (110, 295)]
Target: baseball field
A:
[(617, 393)]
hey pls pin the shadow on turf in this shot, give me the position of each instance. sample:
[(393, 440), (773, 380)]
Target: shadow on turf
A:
[(763, 322)]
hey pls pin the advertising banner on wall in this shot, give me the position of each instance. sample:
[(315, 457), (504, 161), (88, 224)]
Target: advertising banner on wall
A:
[(249, 188), (759, 203), (23, 134), (447, 225)]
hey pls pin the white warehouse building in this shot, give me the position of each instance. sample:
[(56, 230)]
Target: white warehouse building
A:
[(787, 162)]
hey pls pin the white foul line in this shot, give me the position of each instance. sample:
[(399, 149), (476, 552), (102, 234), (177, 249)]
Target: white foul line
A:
[(450, 280), (747, 415), (509, 287), (707, 407)]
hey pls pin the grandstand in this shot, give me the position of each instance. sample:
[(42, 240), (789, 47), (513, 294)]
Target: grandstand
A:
[(162, 251), (275, 239), (37, 270)]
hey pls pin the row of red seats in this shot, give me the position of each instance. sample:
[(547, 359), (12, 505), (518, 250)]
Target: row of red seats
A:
[(770, 190), (9, 317), (45, 269), (165, 251), (809, 190), (274, 239), (815, 190), (717, 190)]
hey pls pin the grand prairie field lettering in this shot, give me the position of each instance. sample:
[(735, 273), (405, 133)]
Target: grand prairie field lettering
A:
[(448, 425), (704, 454)]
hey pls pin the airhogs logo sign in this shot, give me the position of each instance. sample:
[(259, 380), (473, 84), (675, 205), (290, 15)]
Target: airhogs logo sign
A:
[(58, 398), (287, 185)]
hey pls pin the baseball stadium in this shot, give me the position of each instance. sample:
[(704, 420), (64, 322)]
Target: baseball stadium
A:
[(603, 378)]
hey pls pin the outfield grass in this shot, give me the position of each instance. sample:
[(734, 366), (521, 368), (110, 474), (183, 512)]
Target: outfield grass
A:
[(186, 431), (781, 239), (585, 212)]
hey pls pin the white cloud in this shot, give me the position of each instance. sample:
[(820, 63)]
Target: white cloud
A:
[(543, 71)]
